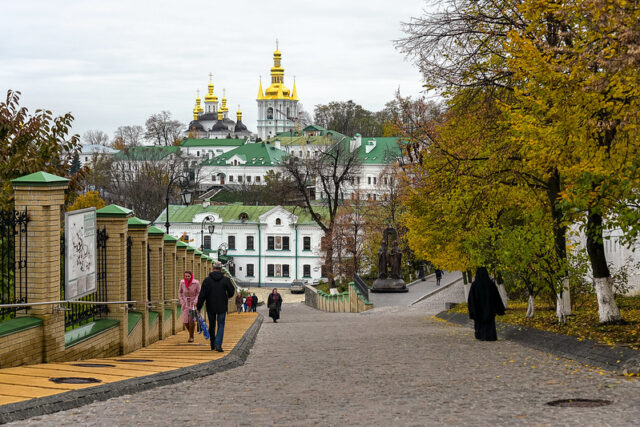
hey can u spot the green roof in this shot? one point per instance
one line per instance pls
(190, 248)
(231, 213)
(253, 154)
(309, 140)
(153, 230)
(146, 153)
(137, 222)
(197, 252)
(114, 211)
(386, 150)
(181, 244)
(40, 179)
(226, 142)
(170, 239)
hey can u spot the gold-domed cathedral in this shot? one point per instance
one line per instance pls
(277, 106)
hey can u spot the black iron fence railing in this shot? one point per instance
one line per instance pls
(79, 314)
(148, 272)
(13, 261)
(361, 285)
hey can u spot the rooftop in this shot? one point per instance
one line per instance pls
(230, 213)
(253, 154)
(146, 153)
(205, 142)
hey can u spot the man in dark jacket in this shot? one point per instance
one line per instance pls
(216, 291)
(255, 302)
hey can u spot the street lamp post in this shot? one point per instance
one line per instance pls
(211, 227)
(186, 196)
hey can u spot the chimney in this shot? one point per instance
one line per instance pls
(277, 143)
(371, 144)
(355, 142)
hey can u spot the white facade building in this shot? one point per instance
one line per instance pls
(265, 245)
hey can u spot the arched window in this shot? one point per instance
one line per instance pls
(278, 221)
(243, 216)
(270, 113)
(288, 112)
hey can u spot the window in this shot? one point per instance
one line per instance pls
(306, 243)
(368, 196)
(248, 179)
(206, 244)
(270, 270)
(278, 221)
(231, 242)
(230, 178)
(249, 270)
(269, 113)
(375, 180)
(306, 270)
(358, 180)
(375, 197)
(384, 180)
(257, 179)
(369, 180)
(239, 178)
(232, 269)
(285, 270)
(278, 270)
(278, 243)
(213, 177)
(249, 243)
(197, 154)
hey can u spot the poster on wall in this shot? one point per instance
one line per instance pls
(80, 253)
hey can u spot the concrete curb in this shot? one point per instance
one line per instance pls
(76, 398)
(415, 282)
(586, 351)
(435, 291)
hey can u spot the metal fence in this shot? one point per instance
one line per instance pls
(79, 314)
(13, 261)
(361, 285)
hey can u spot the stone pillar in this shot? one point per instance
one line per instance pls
(170, 285)
(181, 266)
(190, 260)
(138, 232)
(42, 195)
(156, 258)
(114, 218)
(197, 265)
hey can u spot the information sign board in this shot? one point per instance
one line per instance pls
(80, 253)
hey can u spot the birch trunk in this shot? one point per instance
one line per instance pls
(608, 310)
(530, 308)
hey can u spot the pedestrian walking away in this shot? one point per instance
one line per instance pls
(255, 302)
(274, 303)
(244, 303)
(438, 276)
(239, 303)
(216, 291)
(484, 303)
(188, 297)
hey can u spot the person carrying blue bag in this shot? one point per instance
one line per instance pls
(202, 327)
(216, 291)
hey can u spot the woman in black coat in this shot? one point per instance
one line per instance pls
(484, 303)
(274, 303)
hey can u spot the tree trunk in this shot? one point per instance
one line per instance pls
(559, 239)
(530, 308)
(608, 311)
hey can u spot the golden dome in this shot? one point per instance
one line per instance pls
(210, 97)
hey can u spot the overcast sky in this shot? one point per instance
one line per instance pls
(113, 62)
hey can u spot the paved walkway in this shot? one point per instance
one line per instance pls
(388, 366)
(416, 290)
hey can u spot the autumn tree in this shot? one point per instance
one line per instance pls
(129, 136)
(31, 143)
(95, 137)
(326, 175)
(162, 129)
(89, 200)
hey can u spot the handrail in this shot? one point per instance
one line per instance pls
(362, 287)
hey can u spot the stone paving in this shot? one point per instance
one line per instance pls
(387, 366)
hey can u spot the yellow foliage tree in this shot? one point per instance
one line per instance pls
(90, 200)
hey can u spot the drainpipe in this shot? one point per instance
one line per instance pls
(296, 252)
(259, 257)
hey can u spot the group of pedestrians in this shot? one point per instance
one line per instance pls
(246, 304)
(216, 290)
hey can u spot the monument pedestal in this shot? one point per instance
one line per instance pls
(389, 285)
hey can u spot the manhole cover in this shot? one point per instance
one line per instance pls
(134, 360)
(94, 365)
(579, 403)
(74, 380)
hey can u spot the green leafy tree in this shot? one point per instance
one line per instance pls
(31, 143)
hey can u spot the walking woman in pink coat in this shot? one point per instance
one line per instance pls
(188, 296)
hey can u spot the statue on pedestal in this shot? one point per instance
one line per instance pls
(389, 264)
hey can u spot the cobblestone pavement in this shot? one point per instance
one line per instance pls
(416, 290)
(387, 366)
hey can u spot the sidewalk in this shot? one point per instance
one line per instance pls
(27, 391)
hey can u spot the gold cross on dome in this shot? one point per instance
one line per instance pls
(210, 77)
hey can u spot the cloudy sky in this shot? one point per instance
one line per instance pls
(116, 62)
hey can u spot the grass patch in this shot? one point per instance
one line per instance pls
(582, 324)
